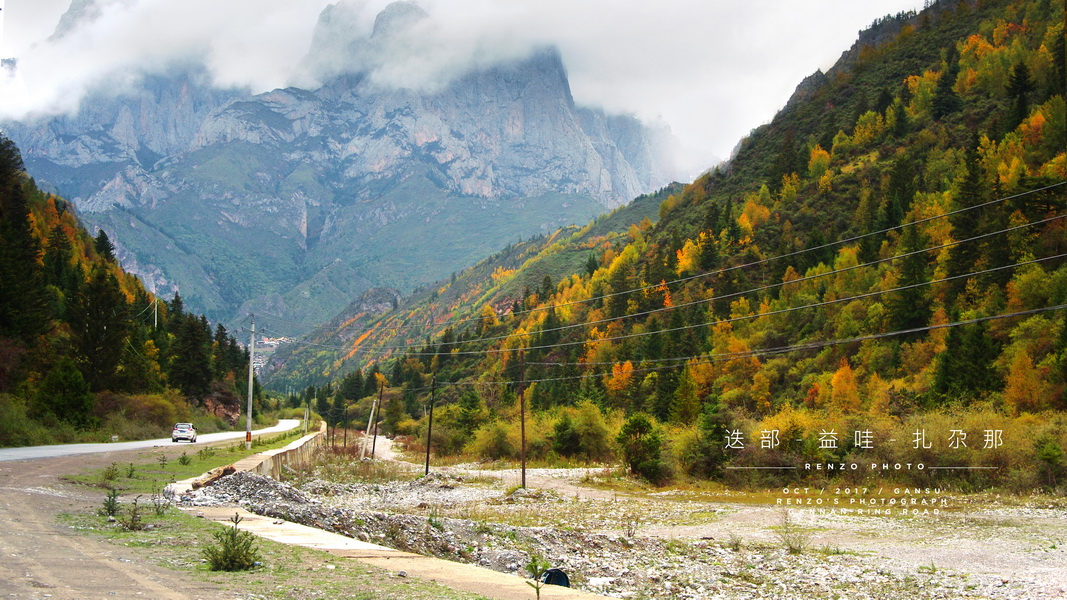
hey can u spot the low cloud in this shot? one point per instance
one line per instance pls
(711, 70)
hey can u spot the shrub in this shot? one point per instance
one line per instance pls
(795, 539)
(17, 428)
(565, 439)
(641, 443)
(594, 435)
(1050, 455)
(236, 549)
(131, 520)
(160, 504)
(111, 503)
(493, 442)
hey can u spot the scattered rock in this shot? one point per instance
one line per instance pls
(602, 562)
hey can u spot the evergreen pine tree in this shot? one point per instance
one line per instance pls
(686, 405)
(351, 387)
(901, 189)
(1058, 81)
(591, 264)
(910, 308)
(370, 382)
(641, 442)
(965, 368)
(59, 270)
(100, 323)
(966, 224)
(946, 101)
(710, 452)
(712, 219)
(996, 252)
(787, 160)
(23, 295)
(103, 246)
(550, 333)
(1020, 85)
(190, 363)
(175, 312)
(64, 393)
(547, 289)
(322, 405)
(885, 100)
(902, 124)
(709, 253)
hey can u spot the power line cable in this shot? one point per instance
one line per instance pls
(703, 301)
(150, 304)
(713, 358)
(745, 317)
(749, 291)
(732, 268)
(837, 342)
(798, 252)
(817, 305)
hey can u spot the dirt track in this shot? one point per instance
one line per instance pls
(44, 559)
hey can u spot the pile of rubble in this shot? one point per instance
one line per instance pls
(615, 565)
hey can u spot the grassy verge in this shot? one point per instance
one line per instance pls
(155, 468)
(175, 540)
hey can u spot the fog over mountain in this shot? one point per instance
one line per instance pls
(712, 70)
(292, 201)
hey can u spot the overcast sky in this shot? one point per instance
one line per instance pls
(710, 69)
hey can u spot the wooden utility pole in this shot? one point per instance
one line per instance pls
(251, 378)
(522, 413)
(374, 442)
(345, 444)
(429, 427)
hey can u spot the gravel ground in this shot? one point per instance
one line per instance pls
(668, 548)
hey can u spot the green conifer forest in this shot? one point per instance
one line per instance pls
(86, 352)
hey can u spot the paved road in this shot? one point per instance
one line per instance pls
(34, 452)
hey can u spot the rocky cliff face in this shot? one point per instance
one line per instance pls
(300, 199)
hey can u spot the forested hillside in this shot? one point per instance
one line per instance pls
(886, 256)
(85, 351)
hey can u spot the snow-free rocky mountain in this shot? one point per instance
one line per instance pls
(293, 202)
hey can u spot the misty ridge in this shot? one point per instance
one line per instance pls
(402, 151)
(109, 47)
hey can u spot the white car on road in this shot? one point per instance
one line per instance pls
(183, 431)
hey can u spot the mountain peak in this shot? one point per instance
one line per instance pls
(78, 13)
(397, 18)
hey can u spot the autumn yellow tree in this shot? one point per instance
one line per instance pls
(487, 319)
(1026, 388)
(878, 391)
(818, 162)
(761, 393)
(618, 384)
(844, 392)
